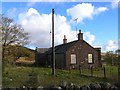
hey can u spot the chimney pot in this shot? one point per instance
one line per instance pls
(64, 40)
(80, 31)
(80, 35)
(64, 36)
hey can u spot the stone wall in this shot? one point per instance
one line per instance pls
(72, 86)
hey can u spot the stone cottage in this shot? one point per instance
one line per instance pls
(74, 54)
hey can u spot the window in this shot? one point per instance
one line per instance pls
(73, 58)
(90, 58)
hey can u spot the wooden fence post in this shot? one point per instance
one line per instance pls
(80, 69)
(70, 69)
(119, 75)
(91, 71)
(104, 72)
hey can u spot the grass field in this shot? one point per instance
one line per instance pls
(19, 76)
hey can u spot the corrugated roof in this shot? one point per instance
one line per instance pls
(42, 50)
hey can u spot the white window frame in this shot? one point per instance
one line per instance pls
(90, 58)
(73, 59)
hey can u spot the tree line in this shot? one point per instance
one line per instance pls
(112, 58)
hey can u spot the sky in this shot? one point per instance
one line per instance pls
(97, 20)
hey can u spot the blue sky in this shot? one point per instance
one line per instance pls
(97, 20)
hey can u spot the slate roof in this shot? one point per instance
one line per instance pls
(63, 47)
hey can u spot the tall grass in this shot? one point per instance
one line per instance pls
(18, 76)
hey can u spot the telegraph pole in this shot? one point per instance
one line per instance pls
(53, 48)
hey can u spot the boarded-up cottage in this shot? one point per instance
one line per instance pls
(70, 55)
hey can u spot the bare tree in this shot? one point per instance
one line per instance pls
(12, 34)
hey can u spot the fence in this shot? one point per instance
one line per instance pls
(109, 72)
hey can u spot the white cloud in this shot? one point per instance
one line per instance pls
(119, 43)
(100, 9)
(39, 26)
(110, 46)
(115, 3)
(84, 11)
(32, 11)
(89, 37)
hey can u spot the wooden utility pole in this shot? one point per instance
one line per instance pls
(104, 72)
(91, 71)
(53, 48)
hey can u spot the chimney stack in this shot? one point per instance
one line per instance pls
(64, 40)
(80, 35)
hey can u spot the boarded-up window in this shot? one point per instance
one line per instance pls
(73, 58)
(90, 58)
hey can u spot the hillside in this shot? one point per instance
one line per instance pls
(19, 54)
